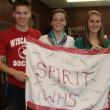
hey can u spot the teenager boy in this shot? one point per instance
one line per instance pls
(13, 48)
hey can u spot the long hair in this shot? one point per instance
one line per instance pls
(100, 33)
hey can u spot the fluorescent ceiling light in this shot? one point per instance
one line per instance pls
(82, 0)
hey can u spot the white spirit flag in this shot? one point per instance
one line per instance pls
(66, 78)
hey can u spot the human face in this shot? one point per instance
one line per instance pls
(22, 15)
(58, 21)
(94, 23)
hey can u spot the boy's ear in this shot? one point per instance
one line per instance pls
(13, 14)
(30, 15)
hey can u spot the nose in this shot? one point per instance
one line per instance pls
(58, 22)
(22, 15)
(95, 23)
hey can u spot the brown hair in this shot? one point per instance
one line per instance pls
(100, 33)
(58, 10)
(22, 3)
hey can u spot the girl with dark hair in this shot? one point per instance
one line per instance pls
(57, 35)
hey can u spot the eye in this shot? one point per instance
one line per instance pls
(98, 21)
(91, 21)
(25, 13)
(62, 20)
(55, 19)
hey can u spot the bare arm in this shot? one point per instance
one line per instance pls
(96, 47)
(19, 75)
